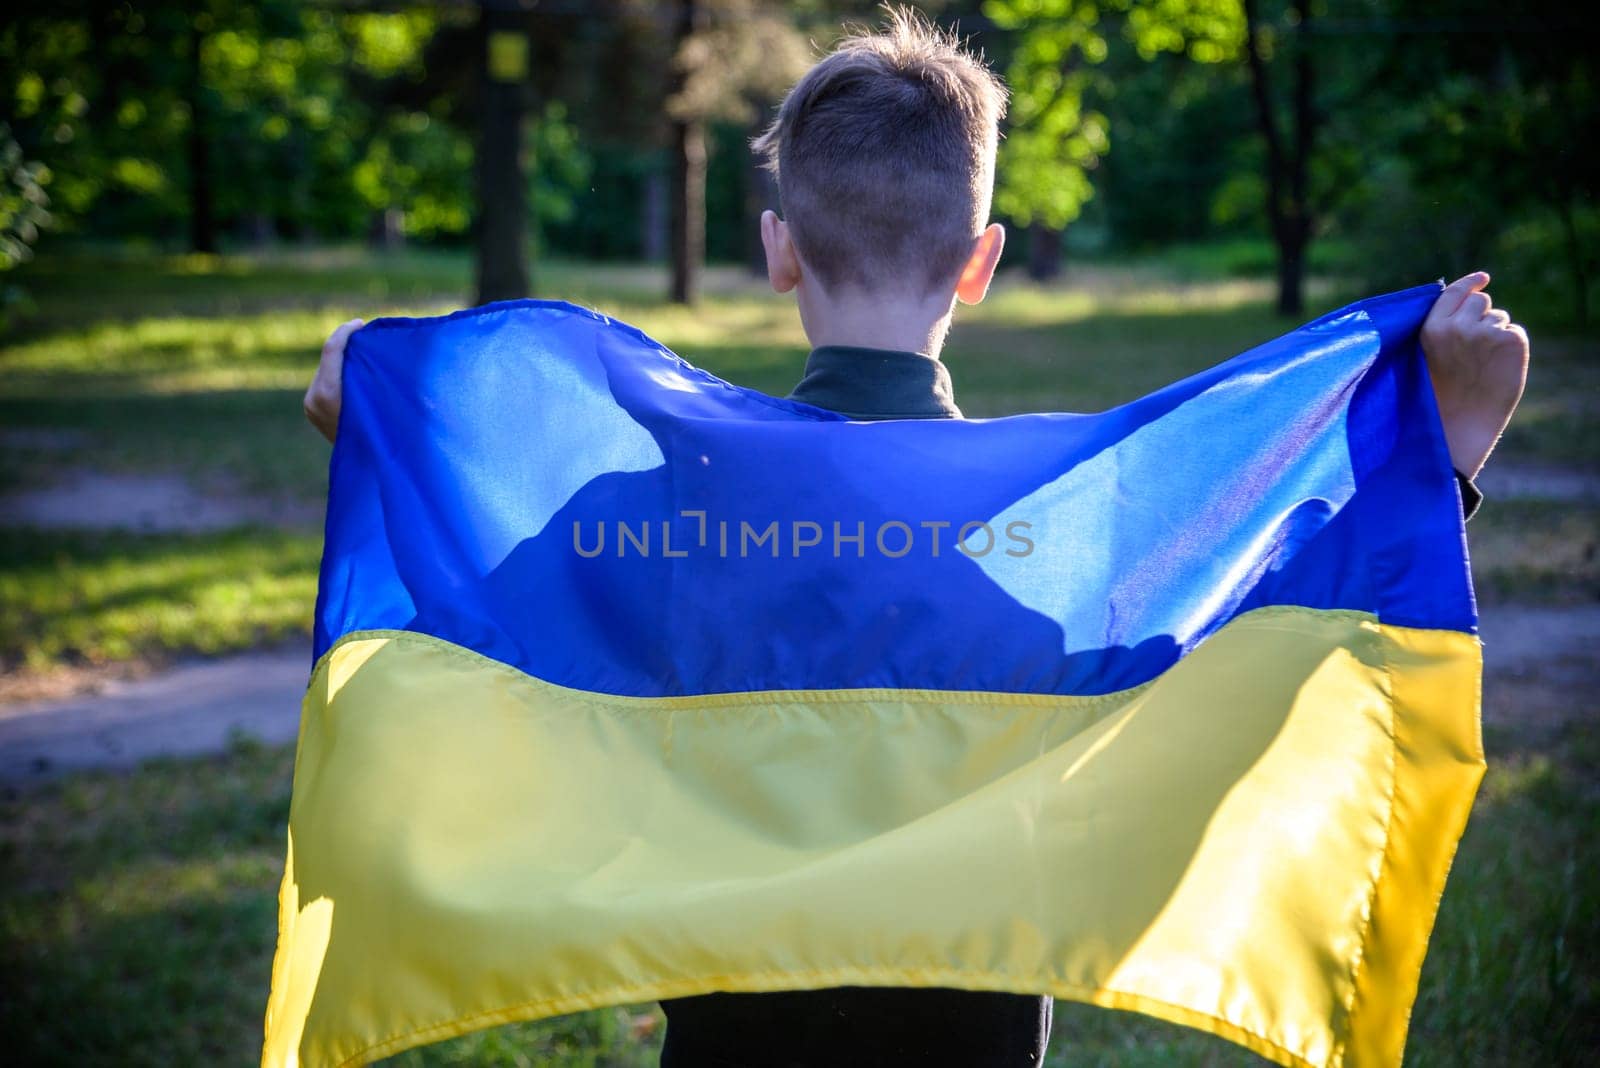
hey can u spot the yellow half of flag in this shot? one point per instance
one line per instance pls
(478, 847)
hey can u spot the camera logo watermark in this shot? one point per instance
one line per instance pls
(892, 539)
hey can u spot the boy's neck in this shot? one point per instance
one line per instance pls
(858, 319)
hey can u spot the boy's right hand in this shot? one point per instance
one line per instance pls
(326, 391)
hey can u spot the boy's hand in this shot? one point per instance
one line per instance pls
(326, 391)
(1478, 360)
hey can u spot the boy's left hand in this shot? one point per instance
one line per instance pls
(325, 395)
(1478, 360)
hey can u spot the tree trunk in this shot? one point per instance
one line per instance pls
(688, 147)
(386, 229)
(1292, 271)
(1287, 167)
(502, 222)
(202, 213)
(688, 210)
(1044, 252)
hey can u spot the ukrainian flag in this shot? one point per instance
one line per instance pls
(634, 684)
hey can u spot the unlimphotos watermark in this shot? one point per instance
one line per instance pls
(892, 538)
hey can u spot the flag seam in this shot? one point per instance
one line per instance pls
(838, 695)
(1369, 908)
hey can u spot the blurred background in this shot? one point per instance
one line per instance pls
(192, 195)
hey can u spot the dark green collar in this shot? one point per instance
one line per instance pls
(877, 384)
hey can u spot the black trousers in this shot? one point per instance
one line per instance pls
(857, 1027)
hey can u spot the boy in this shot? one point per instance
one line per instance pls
(884, 154)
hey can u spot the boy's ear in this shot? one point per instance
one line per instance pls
(783, 263)
(979, 271)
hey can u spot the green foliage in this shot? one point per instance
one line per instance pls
(1186, 166)
(1484, 158)
(421, 167)
(748, 54)
(560, 167)
(1052, 139)
(24, 212)
(1436, 151)
(288, 97)
(24, 204)
(1205, 31)
(1069, 53)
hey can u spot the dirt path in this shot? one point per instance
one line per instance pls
(80, 499)
(1540, 667)
(192, 710)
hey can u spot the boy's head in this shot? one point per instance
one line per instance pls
(884, 154)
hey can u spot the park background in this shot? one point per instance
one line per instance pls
(192, 195)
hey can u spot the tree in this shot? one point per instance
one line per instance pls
(687, 145)
(1497, 126)
(728, 57)
(202, 217)
(1288, 152)
(502, 216)
(24, 212)
(164, 118)
(1053, 138)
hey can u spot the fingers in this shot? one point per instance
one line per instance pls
(322, 400)
(334, 346)
(1474, 306)
(1456, 292)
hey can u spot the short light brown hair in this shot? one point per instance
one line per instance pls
(884, 155)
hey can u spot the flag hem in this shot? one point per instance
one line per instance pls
(546, 1008)
(844, 695)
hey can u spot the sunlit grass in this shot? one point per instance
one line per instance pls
(161, 354)
(1104, 333)
(94, 598)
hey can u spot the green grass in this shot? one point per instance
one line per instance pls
(1536, 551)
(148, 357)
(137, 917)
(94, 598)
